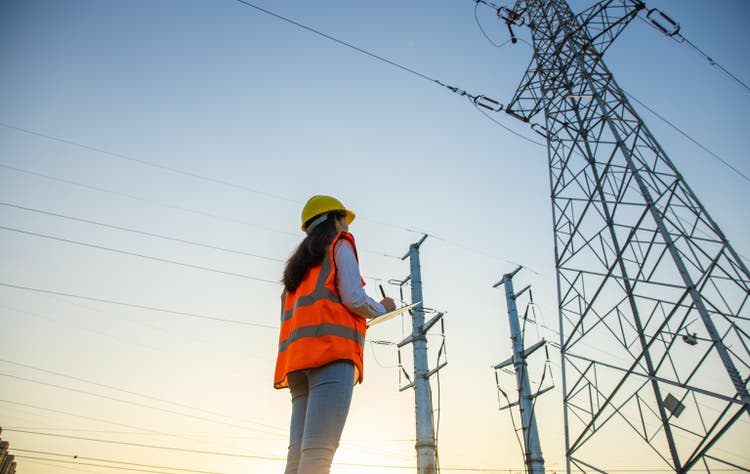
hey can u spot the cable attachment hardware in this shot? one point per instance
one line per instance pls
(478, 100)
(454, 89)
(489, 104)
(540, 130)
(510, 17)
(670, 28)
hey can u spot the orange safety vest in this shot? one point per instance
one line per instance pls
(316, 328)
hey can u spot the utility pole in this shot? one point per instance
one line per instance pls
(426, 446)
(533, 448)
(653, 299)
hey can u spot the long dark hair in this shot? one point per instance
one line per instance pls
(311, 251)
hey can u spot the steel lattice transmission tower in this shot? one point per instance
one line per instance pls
(653, 300)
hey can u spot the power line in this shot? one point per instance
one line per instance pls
(34, 458)
(181, 209)
(75, 457)
(178, 171)
(671, 29)
(129, 402)
(215, 453)
(133, 254)
(124, 340)
(476, 19)
(685, 134)
(496, 122)
(138, 198)
(149, 163)
(109, 422)
(28, 431)
(222, 218)
(478, 100)
(58, 466)
(148, 397)
(272, 458)
(140, 232)
(336, 40)
(187, 450)
(138, 306)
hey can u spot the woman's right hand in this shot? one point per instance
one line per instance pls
(389, 304)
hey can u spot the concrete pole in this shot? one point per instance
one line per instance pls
(426, 449)
(533, 455)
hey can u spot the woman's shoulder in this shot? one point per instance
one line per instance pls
(343, 237)
(343, 244)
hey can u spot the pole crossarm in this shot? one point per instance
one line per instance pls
(525, 353)
(639, 260)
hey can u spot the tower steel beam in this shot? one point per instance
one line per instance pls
(654, 303)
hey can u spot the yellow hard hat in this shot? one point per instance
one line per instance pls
(320, 204)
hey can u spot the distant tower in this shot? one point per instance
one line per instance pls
(426, 445)
(533, 459)
(654, 303)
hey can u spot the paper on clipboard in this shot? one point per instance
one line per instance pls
(391, 315)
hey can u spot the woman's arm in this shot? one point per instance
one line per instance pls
(349, 283)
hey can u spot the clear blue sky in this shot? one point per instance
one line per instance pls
(121, 102)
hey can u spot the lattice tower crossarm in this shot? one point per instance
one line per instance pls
(640, 263)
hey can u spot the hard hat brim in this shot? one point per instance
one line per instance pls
(349, 216)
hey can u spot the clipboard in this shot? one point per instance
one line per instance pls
(391, 315)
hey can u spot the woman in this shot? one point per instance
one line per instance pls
(323, 312)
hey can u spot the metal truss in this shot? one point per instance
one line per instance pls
(653, 300)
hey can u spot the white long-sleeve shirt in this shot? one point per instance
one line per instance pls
(349, 283)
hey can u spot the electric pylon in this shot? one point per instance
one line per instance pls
(653, 301)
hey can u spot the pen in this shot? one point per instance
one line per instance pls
(382, 291)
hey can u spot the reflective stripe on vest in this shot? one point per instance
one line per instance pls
(324, 329)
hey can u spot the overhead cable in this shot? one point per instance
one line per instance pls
(210, 215)
(510, 130)
(133, 254)
(137, 306)
(141, 395)
(131, 469)
(662, 22)
(149, 163)
(149, 446)
(685, 134)
(140, 232)
(74, 460)
(478, 99)
(336, 40)
(136, 404)
(178, 208)
(148, 201)
(476, 19)
(110, 422)
(272, 458)
(176, 170)
(237, 455)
